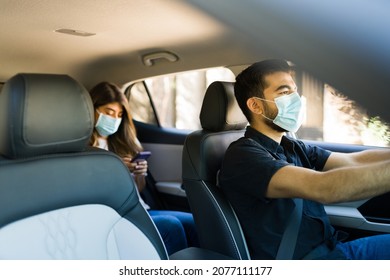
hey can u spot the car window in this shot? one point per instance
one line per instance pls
(173, 101)
(331, 116)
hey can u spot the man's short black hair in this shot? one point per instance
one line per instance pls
(251, 81)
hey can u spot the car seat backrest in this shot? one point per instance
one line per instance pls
(59, 198)
(223, 122)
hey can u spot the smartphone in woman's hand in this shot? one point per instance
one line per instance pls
(144, 155)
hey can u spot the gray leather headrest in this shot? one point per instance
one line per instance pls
(44, 114)
(220, 110)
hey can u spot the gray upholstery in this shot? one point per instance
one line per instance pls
(60, 199)
(220, 111)
(222, 122)
(41, 114)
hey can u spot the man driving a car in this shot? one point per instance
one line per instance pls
(264, 171)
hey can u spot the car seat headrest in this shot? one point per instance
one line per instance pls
(44, 114)
(220, 110)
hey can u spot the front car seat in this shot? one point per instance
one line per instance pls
(222, 123)
(60, 199)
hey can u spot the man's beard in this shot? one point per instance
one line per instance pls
(271, 115)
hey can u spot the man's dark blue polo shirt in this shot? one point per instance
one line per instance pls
(248, 167)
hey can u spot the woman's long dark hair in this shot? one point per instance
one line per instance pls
(124, 142)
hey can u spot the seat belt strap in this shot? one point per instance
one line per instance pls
(289, 239)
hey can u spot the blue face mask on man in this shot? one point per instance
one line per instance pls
(107, 125)
(290, 113)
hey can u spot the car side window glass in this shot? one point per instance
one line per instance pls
(173, 101)
(331, 116)
(140, 103)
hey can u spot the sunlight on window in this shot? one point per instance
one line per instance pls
(347, 122)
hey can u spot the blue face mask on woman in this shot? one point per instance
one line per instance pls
(107, 125)
(290, 114)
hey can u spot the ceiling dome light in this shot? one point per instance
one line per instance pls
(74, 32)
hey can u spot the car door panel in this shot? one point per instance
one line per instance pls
(166, 146)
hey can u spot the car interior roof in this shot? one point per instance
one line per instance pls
(326, 38)
(124, 31)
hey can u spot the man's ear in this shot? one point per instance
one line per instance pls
(254, 106)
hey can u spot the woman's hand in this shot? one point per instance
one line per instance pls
(140, 168)
(136, 168)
